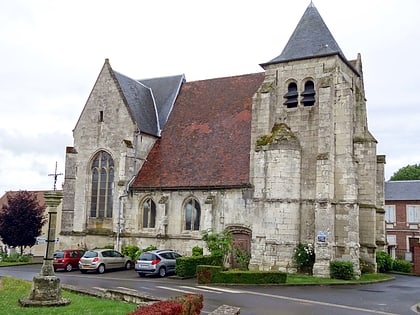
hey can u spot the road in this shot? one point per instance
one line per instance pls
(388, 298)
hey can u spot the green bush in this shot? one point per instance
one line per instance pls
(341, 270)
(384, 261)
(131, 251)
(401, 265)
(214, 274)
(16, 257)
(304, 257)
(187, 266)
(197, 251)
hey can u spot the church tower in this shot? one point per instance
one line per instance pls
(313, 158)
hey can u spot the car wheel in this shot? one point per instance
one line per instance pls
(162, 271)
(142, 275)
(83, 271)
(128, 265)
(101, 269)
(69, 267)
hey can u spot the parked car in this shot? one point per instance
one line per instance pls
(100, 260)
(156, 262)
(67, 259)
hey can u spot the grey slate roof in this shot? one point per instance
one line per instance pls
(311, 38)
(150, 100)
(402, 190)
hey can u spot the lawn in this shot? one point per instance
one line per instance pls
(365, 278)
(12, 289)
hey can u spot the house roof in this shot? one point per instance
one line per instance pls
(151, 100)
(402, 190)
(311, 38)
(206, 141)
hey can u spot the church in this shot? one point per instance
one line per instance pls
(278, 158)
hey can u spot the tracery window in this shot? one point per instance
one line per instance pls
(149, 213)
(192, 212)
(102, 188)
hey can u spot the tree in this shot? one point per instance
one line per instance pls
(219, 244)
(21, 219)
(409, 172)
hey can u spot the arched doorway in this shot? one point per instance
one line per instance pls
(241, 243)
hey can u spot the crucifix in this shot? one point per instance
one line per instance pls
(55, 176)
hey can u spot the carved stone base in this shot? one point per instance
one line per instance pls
(46, 291)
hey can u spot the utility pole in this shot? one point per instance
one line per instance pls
(55, 176)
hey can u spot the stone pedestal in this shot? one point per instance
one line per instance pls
(46, 290)
(321, 266)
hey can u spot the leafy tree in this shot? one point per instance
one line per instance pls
(219, 244)
(21, 219)
(409, 172)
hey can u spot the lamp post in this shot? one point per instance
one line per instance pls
(46, 290)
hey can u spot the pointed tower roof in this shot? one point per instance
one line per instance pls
(310, 39)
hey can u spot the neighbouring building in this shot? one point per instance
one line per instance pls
(40, 246)
(279, 158)
(402, 217)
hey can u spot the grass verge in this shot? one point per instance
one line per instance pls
(12, 289)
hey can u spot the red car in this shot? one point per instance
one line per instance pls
(67, 259)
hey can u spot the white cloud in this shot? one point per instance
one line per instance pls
(52, 52)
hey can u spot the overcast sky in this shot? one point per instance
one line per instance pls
(51, 53)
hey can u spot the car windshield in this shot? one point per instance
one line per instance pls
(90, 254)
(58, 255)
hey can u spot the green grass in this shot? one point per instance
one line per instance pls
(12, 289)
(306, 279)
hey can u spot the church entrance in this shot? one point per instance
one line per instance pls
(241, 246)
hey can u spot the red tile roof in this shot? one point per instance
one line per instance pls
(206, 141)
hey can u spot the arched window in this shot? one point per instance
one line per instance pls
(149, 213)
(308, 95)
(192, 215)
(291, 96)
(101, 201)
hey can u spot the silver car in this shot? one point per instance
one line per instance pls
(156, 262)
(100, 260)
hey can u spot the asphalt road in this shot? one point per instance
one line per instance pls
(388, 298)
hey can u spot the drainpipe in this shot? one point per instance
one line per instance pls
(120, 205)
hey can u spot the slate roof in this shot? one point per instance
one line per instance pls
(402, 190)
(311, 38)
(150, 101)
(206, 141)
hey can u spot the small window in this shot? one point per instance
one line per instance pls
(390, 213)
(308, 95)
(101, 116)
(413, 214)
(291, 96)
(149, 213)
(192, 215)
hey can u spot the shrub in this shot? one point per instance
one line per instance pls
(187, 266)
(197, 251)
(384, 261)
(341, 270)
(401, 265)
(304, 257)
(242, 257)
(131, 251)
(219, 244)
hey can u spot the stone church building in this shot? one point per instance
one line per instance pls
(279, 158)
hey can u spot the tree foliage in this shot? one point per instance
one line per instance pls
(21, 219)
(219, 244)
(409, 172)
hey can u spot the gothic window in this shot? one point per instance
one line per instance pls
(192, 215)
(308, 95)
(291, 96)
(102, 171)
(149, 213)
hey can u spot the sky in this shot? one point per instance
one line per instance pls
(51, 53)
